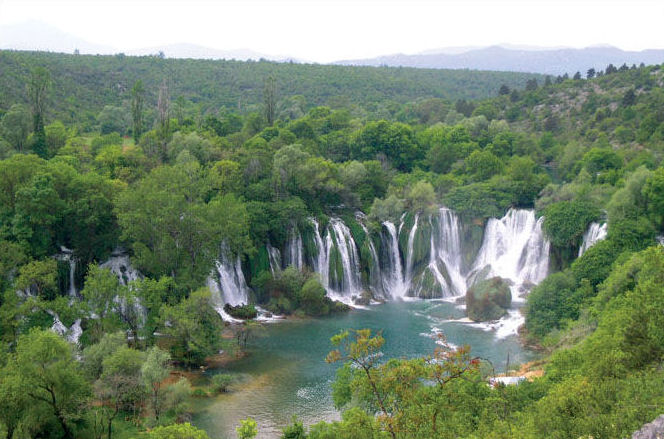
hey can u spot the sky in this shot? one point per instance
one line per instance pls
(324, 31)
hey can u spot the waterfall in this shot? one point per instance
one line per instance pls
(274, 256)
(409, 256)
(321, 263)
(448, 251)
(596, 232)
(394, 283)
(227, 282)
(294, 250)
(120, 265)
(67, 255)
(350, 262)
(337, 262)
(375, 273)
(514, 248)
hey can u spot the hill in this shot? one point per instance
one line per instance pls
(86, 83)
(545, 61)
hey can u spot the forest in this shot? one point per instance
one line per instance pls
(126, 181)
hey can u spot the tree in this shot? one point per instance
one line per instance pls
(163, 116)
(51, 378)
(15, 126)
(504, 90)
(483, 165)
(174, 231)
(137, 99)
(577, 76)
(56, 137)
(155, 370)
(13, 400)
(119, 387)
(111, 119)
(101, 293)
(653, 192)
(270, 99)
(422, 197)
(194, 326)
(590, 74)
(248, 429)
(39, 277)
(531, 84)
(177, 431)
(38, 86)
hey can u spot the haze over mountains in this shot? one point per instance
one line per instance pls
(34, 35)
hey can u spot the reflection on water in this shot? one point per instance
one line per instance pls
(286, 373)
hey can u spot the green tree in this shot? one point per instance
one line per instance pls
(100, 293)
(248, 429)
(154, 371)
(15, 126)
(269, 100)
(653, 193)
(51, 378)
(56, 137)
(483, 165)
(137, 99)
(40, 278)
(38, 87)
(119, 386)
(177, 431)
(194, 326)
(13, 400)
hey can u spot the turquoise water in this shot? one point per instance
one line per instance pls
(286, 373)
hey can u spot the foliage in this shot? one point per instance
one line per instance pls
(488, 300)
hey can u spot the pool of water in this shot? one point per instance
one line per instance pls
(286, 373)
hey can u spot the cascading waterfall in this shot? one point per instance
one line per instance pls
(447, 250)
(394, 282)
(294, 250)
(350, 283)
(227, 282)
(375, 272)
(514, 248)
(337, 261)
(596, 232)
(274, 256)
(411, 241)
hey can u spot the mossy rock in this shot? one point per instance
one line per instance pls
(244, 312)
(488, 299)
(425, 286)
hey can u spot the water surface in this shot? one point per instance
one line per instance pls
(286, 373)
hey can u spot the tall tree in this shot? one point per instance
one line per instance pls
(39, 84)
(137, 99)
(163, 112)
(270, 99)
(153, 372)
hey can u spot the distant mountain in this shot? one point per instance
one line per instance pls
(35, 35)
(554, 61)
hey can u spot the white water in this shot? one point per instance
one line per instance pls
(447, 250)
(294, 250)
(514, 248)
(409, 256)
(339, 238)
(274, 256)
(596, 232)
(67, 255)
(394, 283)
(227, 285)
(120, 265)
(376, 274)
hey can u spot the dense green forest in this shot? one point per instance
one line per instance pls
(152, 158)
(84, 84)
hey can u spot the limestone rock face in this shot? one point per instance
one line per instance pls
(488, 299)
(652, 430)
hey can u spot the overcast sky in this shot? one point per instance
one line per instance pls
(320, 30)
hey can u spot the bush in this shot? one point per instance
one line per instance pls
(565, 222)
(221, 382)
(244, 312)
(550, 303)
